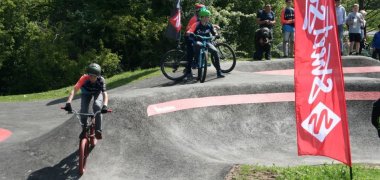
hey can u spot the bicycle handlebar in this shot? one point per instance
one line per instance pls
(88, 114)
(205, 38)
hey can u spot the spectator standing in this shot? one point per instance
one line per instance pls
(266, 19)
(340, 20)
(354, 21)
(376, 45)
(287, 21)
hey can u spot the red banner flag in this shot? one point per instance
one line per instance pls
(322, 127)
(174, 26)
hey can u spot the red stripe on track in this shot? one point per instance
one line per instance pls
(4, 134)
(182, 104)
(346, 70)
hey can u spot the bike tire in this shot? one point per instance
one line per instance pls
(227, 57)
(83, 153)
(93, 140)
(173, 64)
(202, 70)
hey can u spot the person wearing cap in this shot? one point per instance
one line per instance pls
(376, 44)
(287, 21)
(92, 86)
(189, 42)
(206, 29)
(340, 21)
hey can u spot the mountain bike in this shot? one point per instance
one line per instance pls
(174, 62)
(88, 141)
(203, 57)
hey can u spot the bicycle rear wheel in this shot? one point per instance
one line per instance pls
(202, 69)
(173, 64)
(227, 57)
(83, 153)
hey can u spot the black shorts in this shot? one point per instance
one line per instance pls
(355, 37)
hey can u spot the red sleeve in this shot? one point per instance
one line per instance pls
(192, 28)
(283, 21)
(191, 22)
(81, 81)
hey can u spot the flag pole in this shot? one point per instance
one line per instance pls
(351, 175)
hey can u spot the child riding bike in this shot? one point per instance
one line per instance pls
(92, 85)
(204, 28)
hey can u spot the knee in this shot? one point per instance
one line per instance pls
(96, 106)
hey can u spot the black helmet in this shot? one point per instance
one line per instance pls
(94, 69)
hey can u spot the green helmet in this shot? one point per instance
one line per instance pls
(204, 13)
(94, 69)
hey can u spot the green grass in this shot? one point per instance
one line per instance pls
(326, 171)
(113, 82)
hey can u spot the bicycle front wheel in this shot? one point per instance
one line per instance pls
(83, 153)
(173, 64)
(202, 69)
(227, 57)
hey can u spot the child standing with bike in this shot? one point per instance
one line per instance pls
(204, 28)
(92, 85)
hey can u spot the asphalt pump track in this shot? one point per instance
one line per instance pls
(151, 135)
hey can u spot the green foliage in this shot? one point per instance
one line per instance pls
(47, 44)
(326, 171)
(113, 82)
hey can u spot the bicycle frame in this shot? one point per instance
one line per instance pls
(203, 50)
(90, 116)
(88, 141)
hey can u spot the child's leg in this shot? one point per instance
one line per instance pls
(98, 102)
(84, 105)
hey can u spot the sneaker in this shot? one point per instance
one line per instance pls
(98, 134)
(219, 75)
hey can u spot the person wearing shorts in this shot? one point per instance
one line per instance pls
(354, 21)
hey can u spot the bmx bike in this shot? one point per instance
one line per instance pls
(173, 63)
(88, 140)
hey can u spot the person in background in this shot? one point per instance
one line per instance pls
(363, 31)
(189, 42)
(346, 45)
(287, 21)
(376, 44)
(265, 19)
(354, 21)
(375, 118)
(340, 20)
(263, 41)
